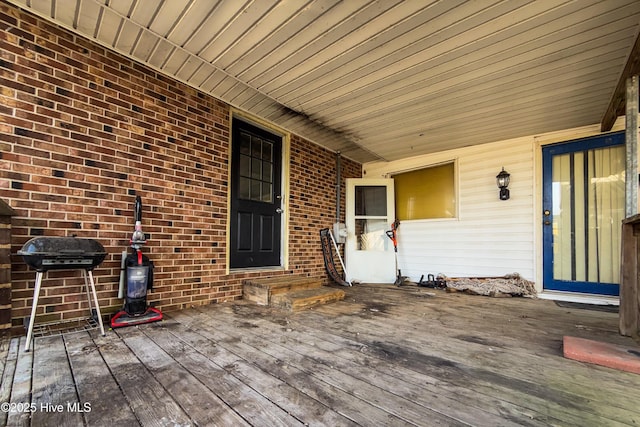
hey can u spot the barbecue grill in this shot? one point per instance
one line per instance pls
(63, 253)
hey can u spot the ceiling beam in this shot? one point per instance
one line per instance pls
(616, 106)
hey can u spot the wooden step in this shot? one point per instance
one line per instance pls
(306, 298)
(261, 291)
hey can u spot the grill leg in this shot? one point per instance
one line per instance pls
(88, 292)
(32, 319)
(95, 298)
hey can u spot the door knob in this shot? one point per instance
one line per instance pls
(279, 210)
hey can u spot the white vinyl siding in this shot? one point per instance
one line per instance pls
(490, 237)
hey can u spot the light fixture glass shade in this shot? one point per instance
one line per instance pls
(503, 178)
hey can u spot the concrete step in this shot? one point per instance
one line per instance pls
(306, 298)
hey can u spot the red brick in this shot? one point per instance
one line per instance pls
(94, 130)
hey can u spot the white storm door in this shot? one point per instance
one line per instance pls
(369, 253)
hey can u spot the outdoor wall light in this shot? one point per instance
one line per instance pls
(502, 179)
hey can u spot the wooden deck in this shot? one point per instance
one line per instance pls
(384, 356)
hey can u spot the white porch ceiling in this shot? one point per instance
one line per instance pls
(379, 80)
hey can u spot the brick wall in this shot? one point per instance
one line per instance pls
(312, 202)
(83, 130)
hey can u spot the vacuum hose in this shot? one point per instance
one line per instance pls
(122, 275)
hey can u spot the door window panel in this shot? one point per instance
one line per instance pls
(256, 169)
(588, 207)
(371, 218)
(371, 201)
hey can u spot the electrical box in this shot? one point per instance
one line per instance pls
(340, 232)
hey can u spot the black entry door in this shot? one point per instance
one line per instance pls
(256, 162)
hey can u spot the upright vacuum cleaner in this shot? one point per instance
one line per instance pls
(136, 275)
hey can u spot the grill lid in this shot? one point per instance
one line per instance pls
(57, 253)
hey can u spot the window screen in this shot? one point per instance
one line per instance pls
(426, 193)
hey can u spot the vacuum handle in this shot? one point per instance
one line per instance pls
(138, 209)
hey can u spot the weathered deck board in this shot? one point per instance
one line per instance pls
(21, 389)
(204, 392)
(466, 370)
(383, 356)
(459, 402)
(9, 358)
(532, 379)
(398, 403)
(440, 372)
(483, 346)
(52, 386)
(97, 388)
(359, 411)
(329, 353)
(293, 401)
(151, 403)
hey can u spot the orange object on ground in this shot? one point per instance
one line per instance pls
(609, 355)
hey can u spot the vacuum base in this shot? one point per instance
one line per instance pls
(122, 318)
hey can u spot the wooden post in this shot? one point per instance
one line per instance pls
(629, 297)
(631, 143)
(629, 260)
(6, 212)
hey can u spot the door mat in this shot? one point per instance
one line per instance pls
(604, 354)
(583, 306)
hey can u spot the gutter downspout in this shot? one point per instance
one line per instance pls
(338, 179)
